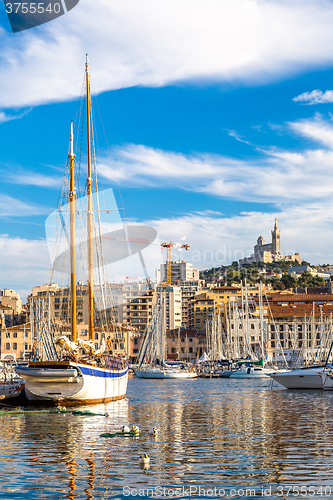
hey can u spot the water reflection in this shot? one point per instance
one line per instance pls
(223, 433)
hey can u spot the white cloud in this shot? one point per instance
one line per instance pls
(273, 176)
(23, 264)
(34, 179)
(315, 97)
(12, 207)
(216, 241)
(5, 117)
(157, 43)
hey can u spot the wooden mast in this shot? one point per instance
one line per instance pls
(72, 196)
(89, 215)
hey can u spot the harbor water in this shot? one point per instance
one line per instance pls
(217, 438)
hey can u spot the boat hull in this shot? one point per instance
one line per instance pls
(251, 373)
(308, 378)
(83, 384)
(165, 374)
(11, 389)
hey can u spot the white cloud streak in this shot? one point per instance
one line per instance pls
(157, 43)
(5, 117)
(315, 97)
(12, 207)
(33, 179)
(274, 176)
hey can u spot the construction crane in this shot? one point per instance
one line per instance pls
(168, 245)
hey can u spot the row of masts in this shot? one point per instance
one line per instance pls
(72, 198)
(234, 339)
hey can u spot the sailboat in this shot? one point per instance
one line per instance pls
(76, 378)
(151, 361)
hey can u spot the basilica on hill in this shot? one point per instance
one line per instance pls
(270, 252)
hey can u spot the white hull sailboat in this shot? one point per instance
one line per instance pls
(154, 347)
(73, 382)
(164, 373)
(99, 378)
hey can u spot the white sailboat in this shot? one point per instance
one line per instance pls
(153, 348)
(77, 380)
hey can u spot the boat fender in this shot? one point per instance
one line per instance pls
(106, 414)
(153, 432)
(125, 429)
(135, 430)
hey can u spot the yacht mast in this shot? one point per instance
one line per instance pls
(72, 196)
(89, 214)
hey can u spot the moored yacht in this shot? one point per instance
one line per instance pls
(301, 378)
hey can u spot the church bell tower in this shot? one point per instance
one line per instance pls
(276, 239)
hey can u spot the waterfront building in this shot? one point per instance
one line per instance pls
(204, 305)
(173, 305)
(139, 299)
(188, 291)
(16, 343)
(185, 344)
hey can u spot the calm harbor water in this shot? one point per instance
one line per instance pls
(232, 435)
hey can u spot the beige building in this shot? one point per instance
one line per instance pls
(138, 304)
(172, 296)
(180, 271)
(16, 342)
(11, 299)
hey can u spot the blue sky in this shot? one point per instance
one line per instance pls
(207, 134)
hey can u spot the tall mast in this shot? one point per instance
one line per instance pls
(72, 196)
(89, 215)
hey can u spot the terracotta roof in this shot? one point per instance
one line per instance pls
(303, 297)
(279, 311)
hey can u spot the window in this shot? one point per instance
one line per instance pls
(26, 334)
(252, 326)
(190, 340)
(8, 346)
(15, 335)
(25, 346)
(135, 351)
(183, 340)
(96, 337)
(190, 349)
(135, 341)
(15, 346)
(252, 338)
(173, 350)
(84, 333)
(96, 346)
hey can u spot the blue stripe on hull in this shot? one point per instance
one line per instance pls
(88, 370)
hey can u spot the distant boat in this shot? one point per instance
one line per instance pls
(85, 374)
